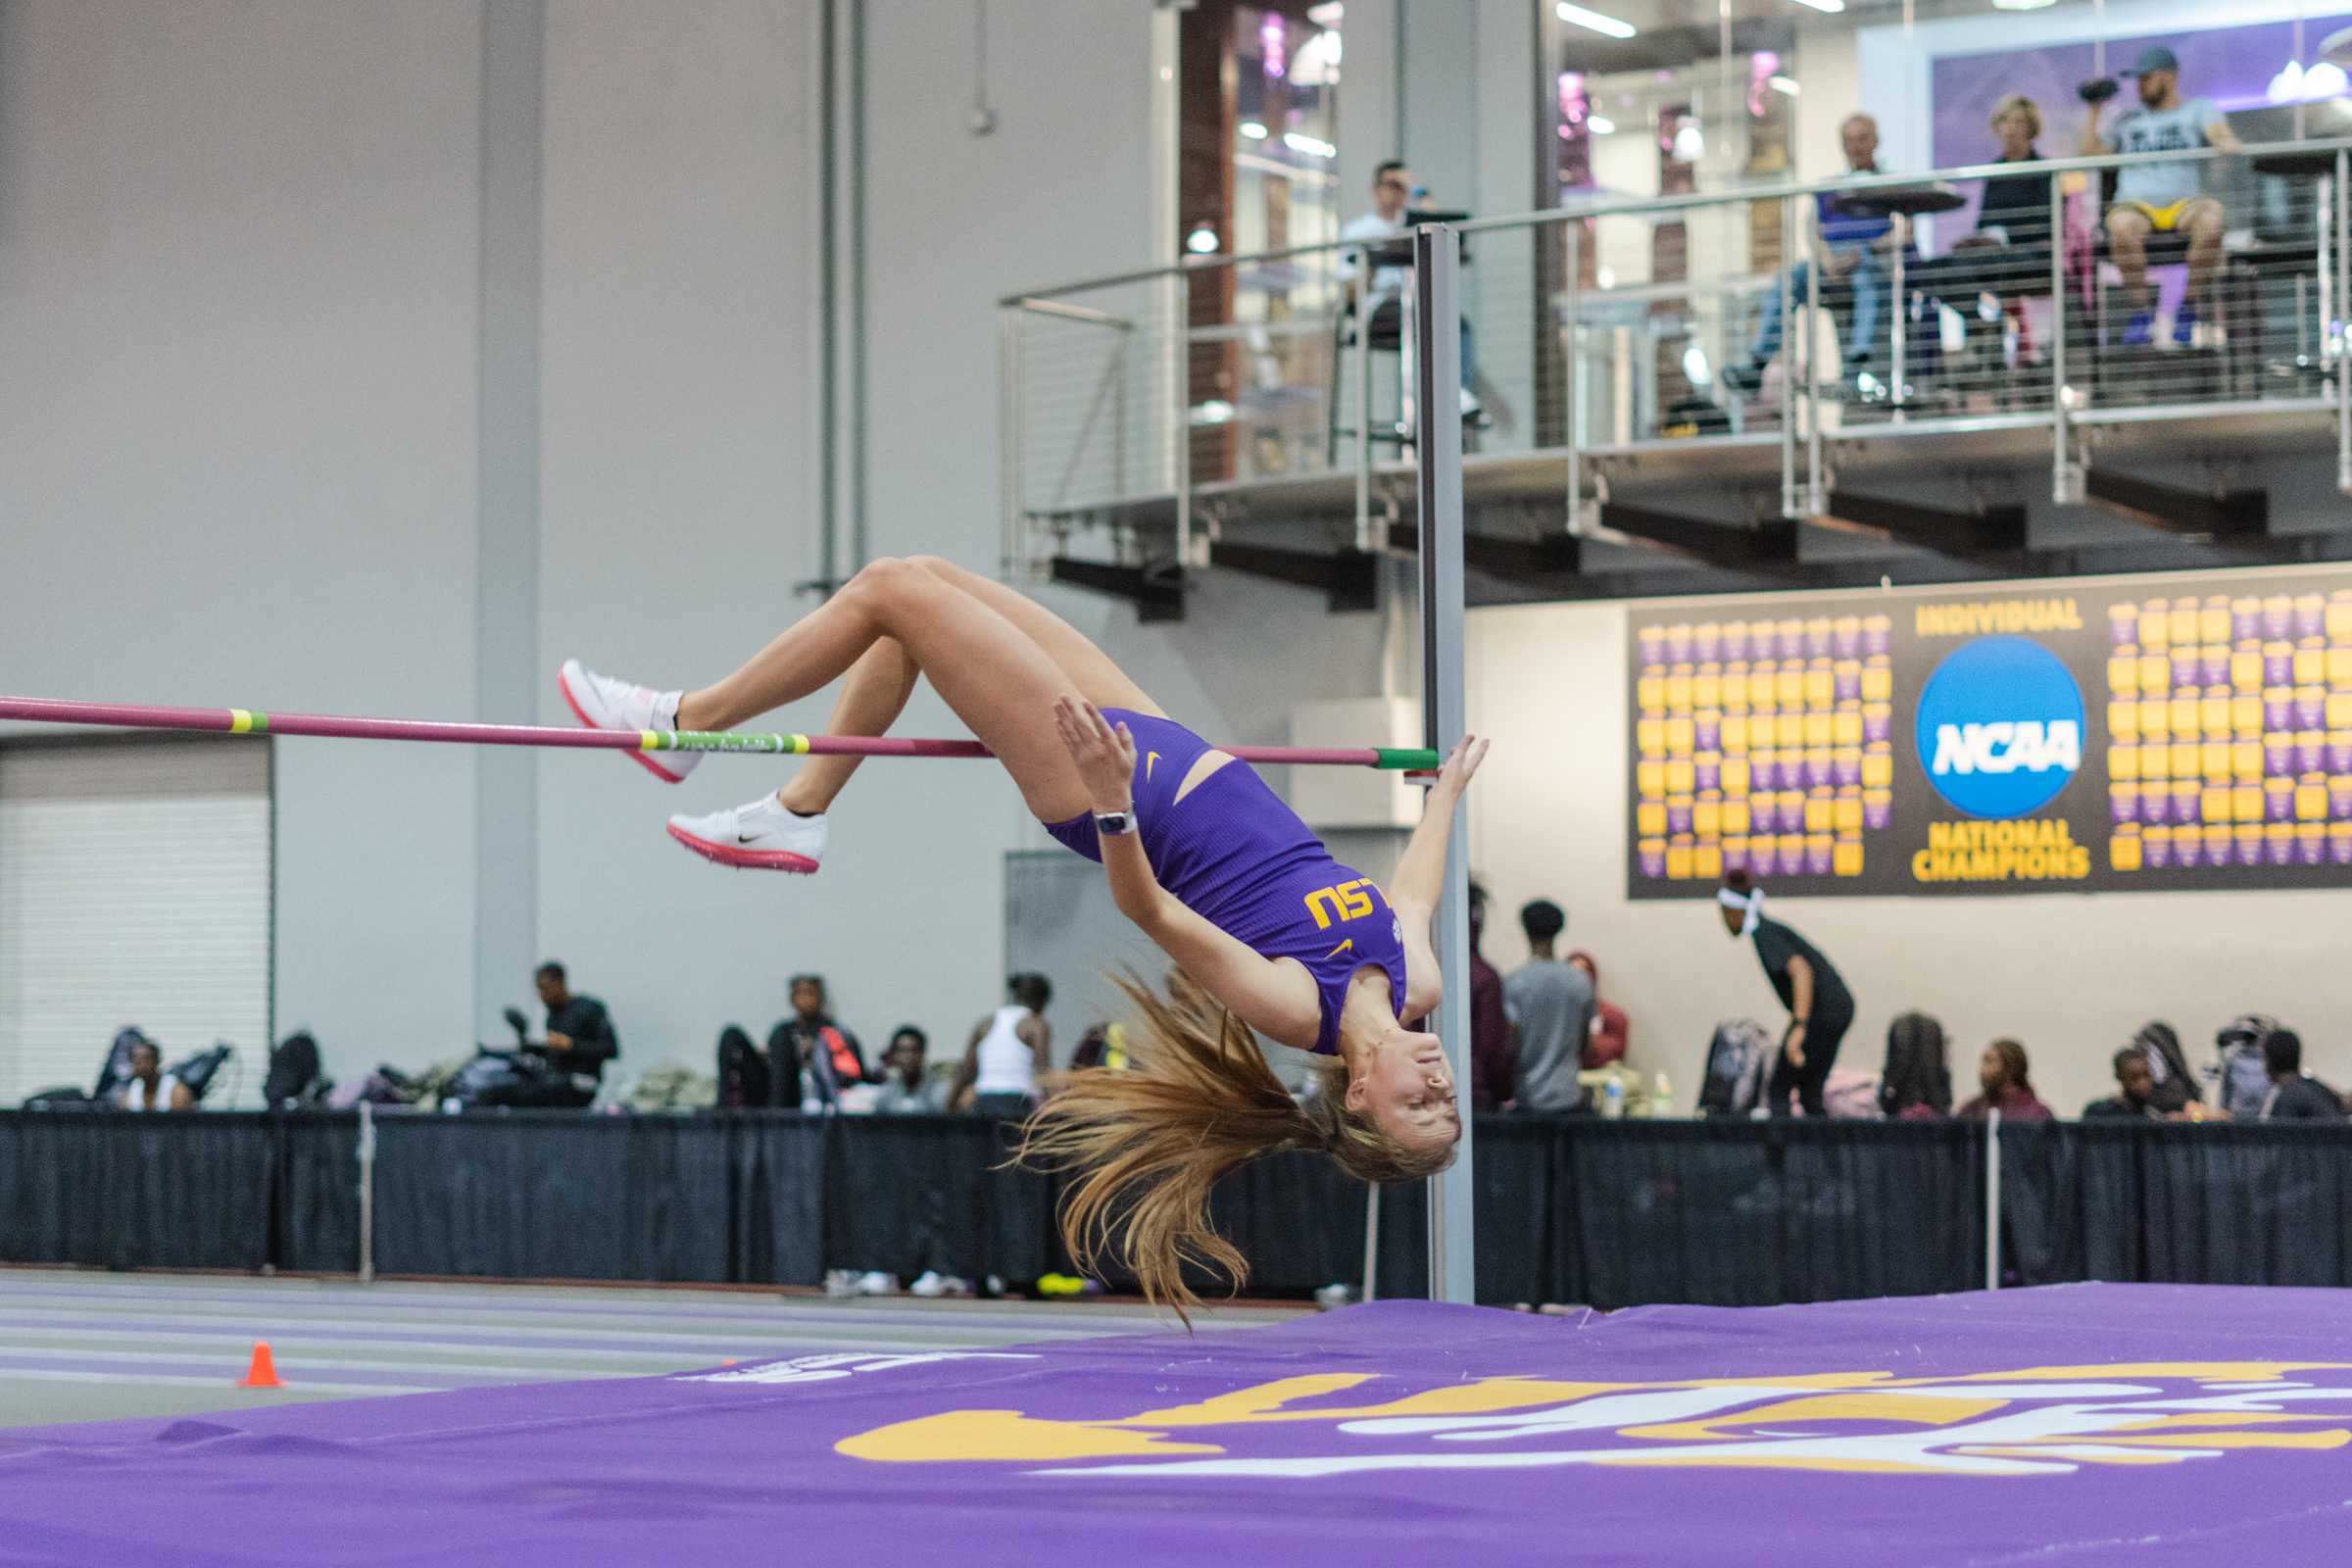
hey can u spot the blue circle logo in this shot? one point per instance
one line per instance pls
(1999, 727)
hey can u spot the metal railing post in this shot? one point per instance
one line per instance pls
(1180, 306)
(1365, 539)
(1992, 1200)
(2341, 330)
(1371, 1287)
(1816, 492)
(367, 1193)
(1437, 367)
(1901, 304)
(2064, 490)
(1790, 506)
(1008, 439)
(1570, 354)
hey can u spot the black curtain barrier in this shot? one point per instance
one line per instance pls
(1571, 1210)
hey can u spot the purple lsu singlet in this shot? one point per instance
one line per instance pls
(1235, 856)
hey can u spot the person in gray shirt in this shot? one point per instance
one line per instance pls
(2164, 197)
(1551, 1003)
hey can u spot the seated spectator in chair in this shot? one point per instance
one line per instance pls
(2009, 253)
(2001, 1074)
(1550, 1006)
(907, 1090)
(1858, 251)
(147, 1089)
(2294, 1097)
(2172, 1087)
(1389, 219)
(580, 1037)
(2134, 1097)
(1010, 1050)
(2164, 197)
(1915, 1084)
(811, 1058)
(1611, 1032)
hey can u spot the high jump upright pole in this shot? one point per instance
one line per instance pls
(1438, 444)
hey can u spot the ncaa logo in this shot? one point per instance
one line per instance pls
(1999, 728)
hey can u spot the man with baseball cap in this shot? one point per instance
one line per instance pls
(2164, 197)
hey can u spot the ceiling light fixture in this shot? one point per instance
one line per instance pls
(1595, 21)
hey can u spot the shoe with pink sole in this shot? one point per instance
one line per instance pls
(602, 703)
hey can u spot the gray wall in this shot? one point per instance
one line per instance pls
(238, 259)
(373, 357)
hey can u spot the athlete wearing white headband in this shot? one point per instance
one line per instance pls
(1820, 1007)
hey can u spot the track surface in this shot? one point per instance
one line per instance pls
(86, 1346)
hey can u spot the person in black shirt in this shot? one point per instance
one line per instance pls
(580, 1037)
(2135, 1090)
(2293, 1096)
(1820, 1007)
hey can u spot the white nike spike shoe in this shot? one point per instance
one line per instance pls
(761, 836)
(602, 703)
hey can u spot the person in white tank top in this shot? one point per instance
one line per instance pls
(1009, 1051)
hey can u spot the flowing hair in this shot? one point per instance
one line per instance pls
(1148, 1141)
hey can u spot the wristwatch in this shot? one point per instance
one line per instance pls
(1115, 822)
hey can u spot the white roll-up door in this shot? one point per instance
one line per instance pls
(135, 889)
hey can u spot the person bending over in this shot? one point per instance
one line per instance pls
(1009, 1054)
(1270, 933)
(1820, 1007)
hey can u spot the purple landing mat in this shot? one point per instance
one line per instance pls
(2181, 1424)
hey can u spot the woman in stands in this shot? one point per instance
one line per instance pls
(1268, 931)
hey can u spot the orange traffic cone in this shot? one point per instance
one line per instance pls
(261, 1373)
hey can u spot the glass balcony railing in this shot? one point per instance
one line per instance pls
(1746, 338)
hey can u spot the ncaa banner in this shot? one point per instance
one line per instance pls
(2169, 734)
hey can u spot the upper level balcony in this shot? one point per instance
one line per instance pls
(1863, 379)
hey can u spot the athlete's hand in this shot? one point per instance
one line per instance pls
(1461, 762)
(1104, 751)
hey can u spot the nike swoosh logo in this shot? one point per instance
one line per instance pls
(1341, 948)
(1149, 758)
(747, 838)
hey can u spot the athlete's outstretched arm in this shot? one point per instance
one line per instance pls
(1421, 869)
(1275, 1000)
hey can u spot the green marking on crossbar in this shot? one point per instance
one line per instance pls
(1412, 758)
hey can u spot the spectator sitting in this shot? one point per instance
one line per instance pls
(1550, 1004)
(1493, 1041)
(811, 1058)
(1392, 189)
(1105, 1045)
(906, 1091)
(1612, 1032)
(2136, 1091)
(2172, 1087)
(1010, 1052)
(580, 1037)
(147, 1089)
(2002, 1074)
(2164, 197)
(1915, 1084)
(2011, 247)
(1857, 249)
(2294, 1097)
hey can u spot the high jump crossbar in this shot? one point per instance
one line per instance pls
(256, 721)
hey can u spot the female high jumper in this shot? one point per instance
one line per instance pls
(1266, 930)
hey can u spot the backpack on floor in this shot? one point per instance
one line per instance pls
(2245, 1075)
(1739, 1061)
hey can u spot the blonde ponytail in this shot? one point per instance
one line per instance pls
(1147, 1143)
